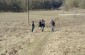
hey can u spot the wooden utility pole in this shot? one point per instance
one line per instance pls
(28, 11)
(63, 6)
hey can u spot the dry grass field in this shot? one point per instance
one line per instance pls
(16, 37)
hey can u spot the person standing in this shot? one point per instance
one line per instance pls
(52, 24)
(33, 26)
(39, 25)
(42, 25)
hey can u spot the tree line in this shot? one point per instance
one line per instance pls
(23, 5)
(68, 4)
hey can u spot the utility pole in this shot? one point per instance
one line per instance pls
(63, 6)
(28, 11)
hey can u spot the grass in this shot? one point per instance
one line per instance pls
(70, 30)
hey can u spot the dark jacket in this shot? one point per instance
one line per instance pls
(53, 23)
(43, 23)
(33, 25)
(40, 24)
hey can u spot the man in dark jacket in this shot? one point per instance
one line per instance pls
(53, 24)
(33, 26)
(42, 25)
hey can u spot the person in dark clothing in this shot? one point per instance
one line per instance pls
(53, 24)
(42, 25)
(33, 26)
(39, 25)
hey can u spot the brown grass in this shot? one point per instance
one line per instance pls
(17, 39)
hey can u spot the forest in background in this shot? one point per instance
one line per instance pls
(23, 5)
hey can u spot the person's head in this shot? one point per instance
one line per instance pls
(52, 20)
(43, 20)
(32, 21)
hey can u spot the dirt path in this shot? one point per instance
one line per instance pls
(37, 46)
